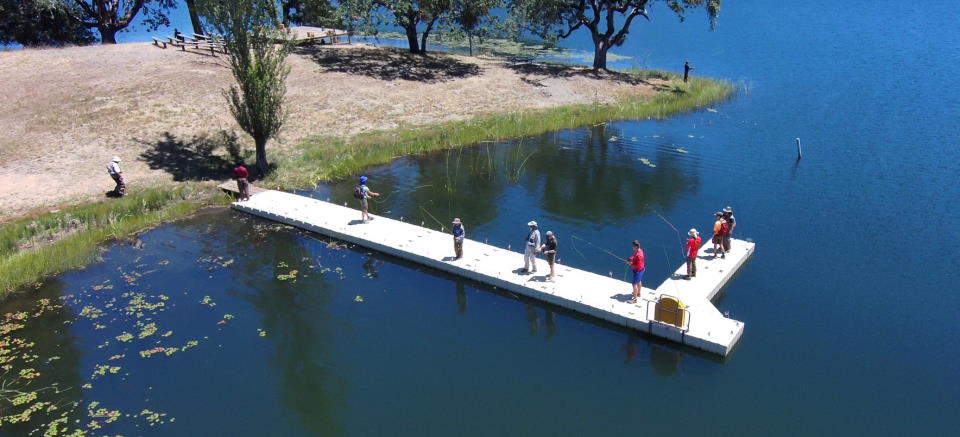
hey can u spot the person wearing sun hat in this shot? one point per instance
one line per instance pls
(530, 246)
(731, 224)
(458, 234)
(693, 246)
(113, 169)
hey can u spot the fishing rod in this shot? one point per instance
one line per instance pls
(679, 240)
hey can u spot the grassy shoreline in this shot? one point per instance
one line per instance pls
(32, 248)
(322, 159)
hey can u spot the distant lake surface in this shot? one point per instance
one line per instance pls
(849, 302)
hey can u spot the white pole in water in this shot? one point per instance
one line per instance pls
(799, 149)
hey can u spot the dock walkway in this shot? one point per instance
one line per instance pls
(585, 292)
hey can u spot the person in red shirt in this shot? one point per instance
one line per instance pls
(693, 246)
(636, 261)
(241, 174)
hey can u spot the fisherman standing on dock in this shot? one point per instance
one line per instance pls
(531, 245)
(550, 250)
(458, 234)
(363, 193)
(636, 261)
(731, 224)
(719, 229)
(693, 246)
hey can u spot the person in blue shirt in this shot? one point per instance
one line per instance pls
(458, 234)
(363, 194)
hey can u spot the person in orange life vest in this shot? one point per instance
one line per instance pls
(693, 246)
(719, 228)
(731, 225)
(636, 261)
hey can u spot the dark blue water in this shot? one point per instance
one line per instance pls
(849, 302)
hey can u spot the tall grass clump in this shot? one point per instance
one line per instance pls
(327, 158)
(32, 248)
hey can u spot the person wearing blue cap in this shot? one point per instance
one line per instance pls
(363, 193)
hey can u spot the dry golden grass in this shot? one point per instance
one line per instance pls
(68, 111)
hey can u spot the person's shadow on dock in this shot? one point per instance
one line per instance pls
(621, 297)
(356, 222)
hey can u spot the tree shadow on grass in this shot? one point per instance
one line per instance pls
(388, 63)
(193, 159)
(549, 69)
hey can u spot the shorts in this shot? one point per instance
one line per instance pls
(363, 204)
(717, 239)
(638, 276)
(551, 258)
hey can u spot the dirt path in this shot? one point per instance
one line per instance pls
(68, 111)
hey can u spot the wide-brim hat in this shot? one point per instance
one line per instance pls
(693, 232)
(115, 159)
(456, 221)
(728, 209)
(363, 179)
(532, 223)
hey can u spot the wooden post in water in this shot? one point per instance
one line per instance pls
(799, 150)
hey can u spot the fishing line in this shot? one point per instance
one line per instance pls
(390, 194)
(431, 216)
(574, 244)
(600, 248)
(679, 240)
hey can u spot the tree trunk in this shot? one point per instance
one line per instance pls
(426, 33)
(470, 37)
(600, 55)
(194, 17)
(412, 38)
(262, 165)
(108, 35)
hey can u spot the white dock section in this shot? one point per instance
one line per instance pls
(588, 293)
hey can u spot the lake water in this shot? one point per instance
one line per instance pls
(849, 301)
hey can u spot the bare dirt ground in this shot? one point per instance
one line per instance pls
(68, 111)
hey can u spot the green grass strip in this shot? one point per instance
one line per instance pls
(326, 158)
(77, 231)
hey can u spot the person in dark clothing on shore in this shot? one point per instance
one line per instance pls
(686, 70)
(113, 169)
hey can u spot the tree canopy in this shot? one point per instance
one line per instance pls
(112, 16)
(608, 21)
(34, 23)
(257, 50)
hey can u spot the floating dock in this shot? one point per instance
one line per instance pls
(696, 322)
